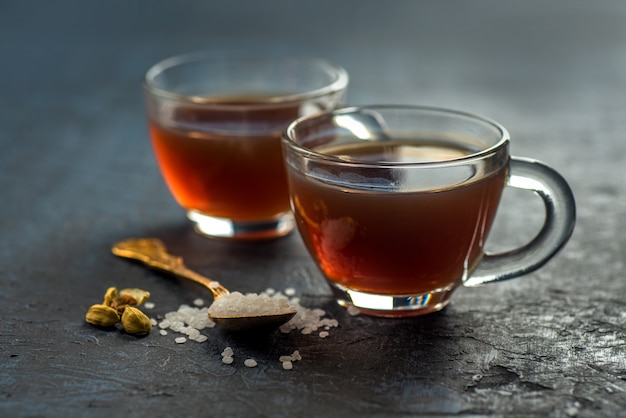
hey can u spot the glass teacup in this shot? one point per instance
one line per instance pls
(215, 124)
(395, 203)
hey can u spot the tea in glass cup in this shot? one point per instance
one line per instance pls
(395, 204)
(215, 123)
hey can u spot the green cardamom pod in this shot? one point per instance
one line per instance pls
(110, 296)
(138, 295)
(136, 322)
(102, 316)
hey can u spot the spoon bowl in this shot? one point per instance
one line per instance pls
(153, 253)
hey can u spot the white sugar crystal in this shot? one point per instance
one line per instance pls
(214, 284)
(200, 338)
(187, 320)
(154, 322)
(237, 304)
(200, 319)
(177, 325)
(287, 361)
(227, 360)
(353, 310)
(571, 411)
(148, 305)
(193, 333)
(190, 320)
(305, 320)
(250, 362)
(329, 323)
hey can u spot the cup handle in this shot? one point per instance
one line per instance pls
(558, 226)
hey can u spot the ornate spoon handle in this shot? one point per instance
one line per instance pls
(152, 252)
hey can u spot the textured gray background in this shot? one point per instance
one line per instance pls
(77, 174)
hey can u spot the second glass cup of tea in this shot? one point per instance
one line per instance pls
(395, 204)
(215, 123)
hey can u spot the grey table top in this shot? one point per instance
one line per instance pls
(77, 174)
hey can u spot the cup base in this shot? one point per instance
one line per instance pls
(392, 306)
(223, 228)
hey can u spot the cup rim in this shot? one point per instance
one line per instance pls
(309, 153)
(339, 83)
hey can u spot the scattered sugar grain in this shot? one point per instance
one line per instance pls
(200, 338)
(353, 311)
(250, 362)
(306, 320)
(190, 320)
(154, 322)
(187, 320)
(214, 284)
(572, 411)
(287, 361)
(192, 332)
(148, 305)
(176, 326)
(227, 355)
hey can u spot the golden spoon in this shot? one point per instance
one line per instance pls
(153, 253)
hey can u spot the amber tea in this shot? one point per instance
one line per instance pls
(211, 167)
(391, 237)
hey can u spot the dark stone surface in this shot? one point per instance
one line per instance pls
(77, 174)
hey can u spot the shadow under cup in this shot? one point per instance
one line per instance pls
(395, 204)
(215, 124)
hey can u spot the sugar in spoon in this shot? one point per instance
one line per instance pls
(153, 253)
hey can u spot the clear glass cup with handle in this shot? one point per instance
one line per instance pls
(395, 204)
